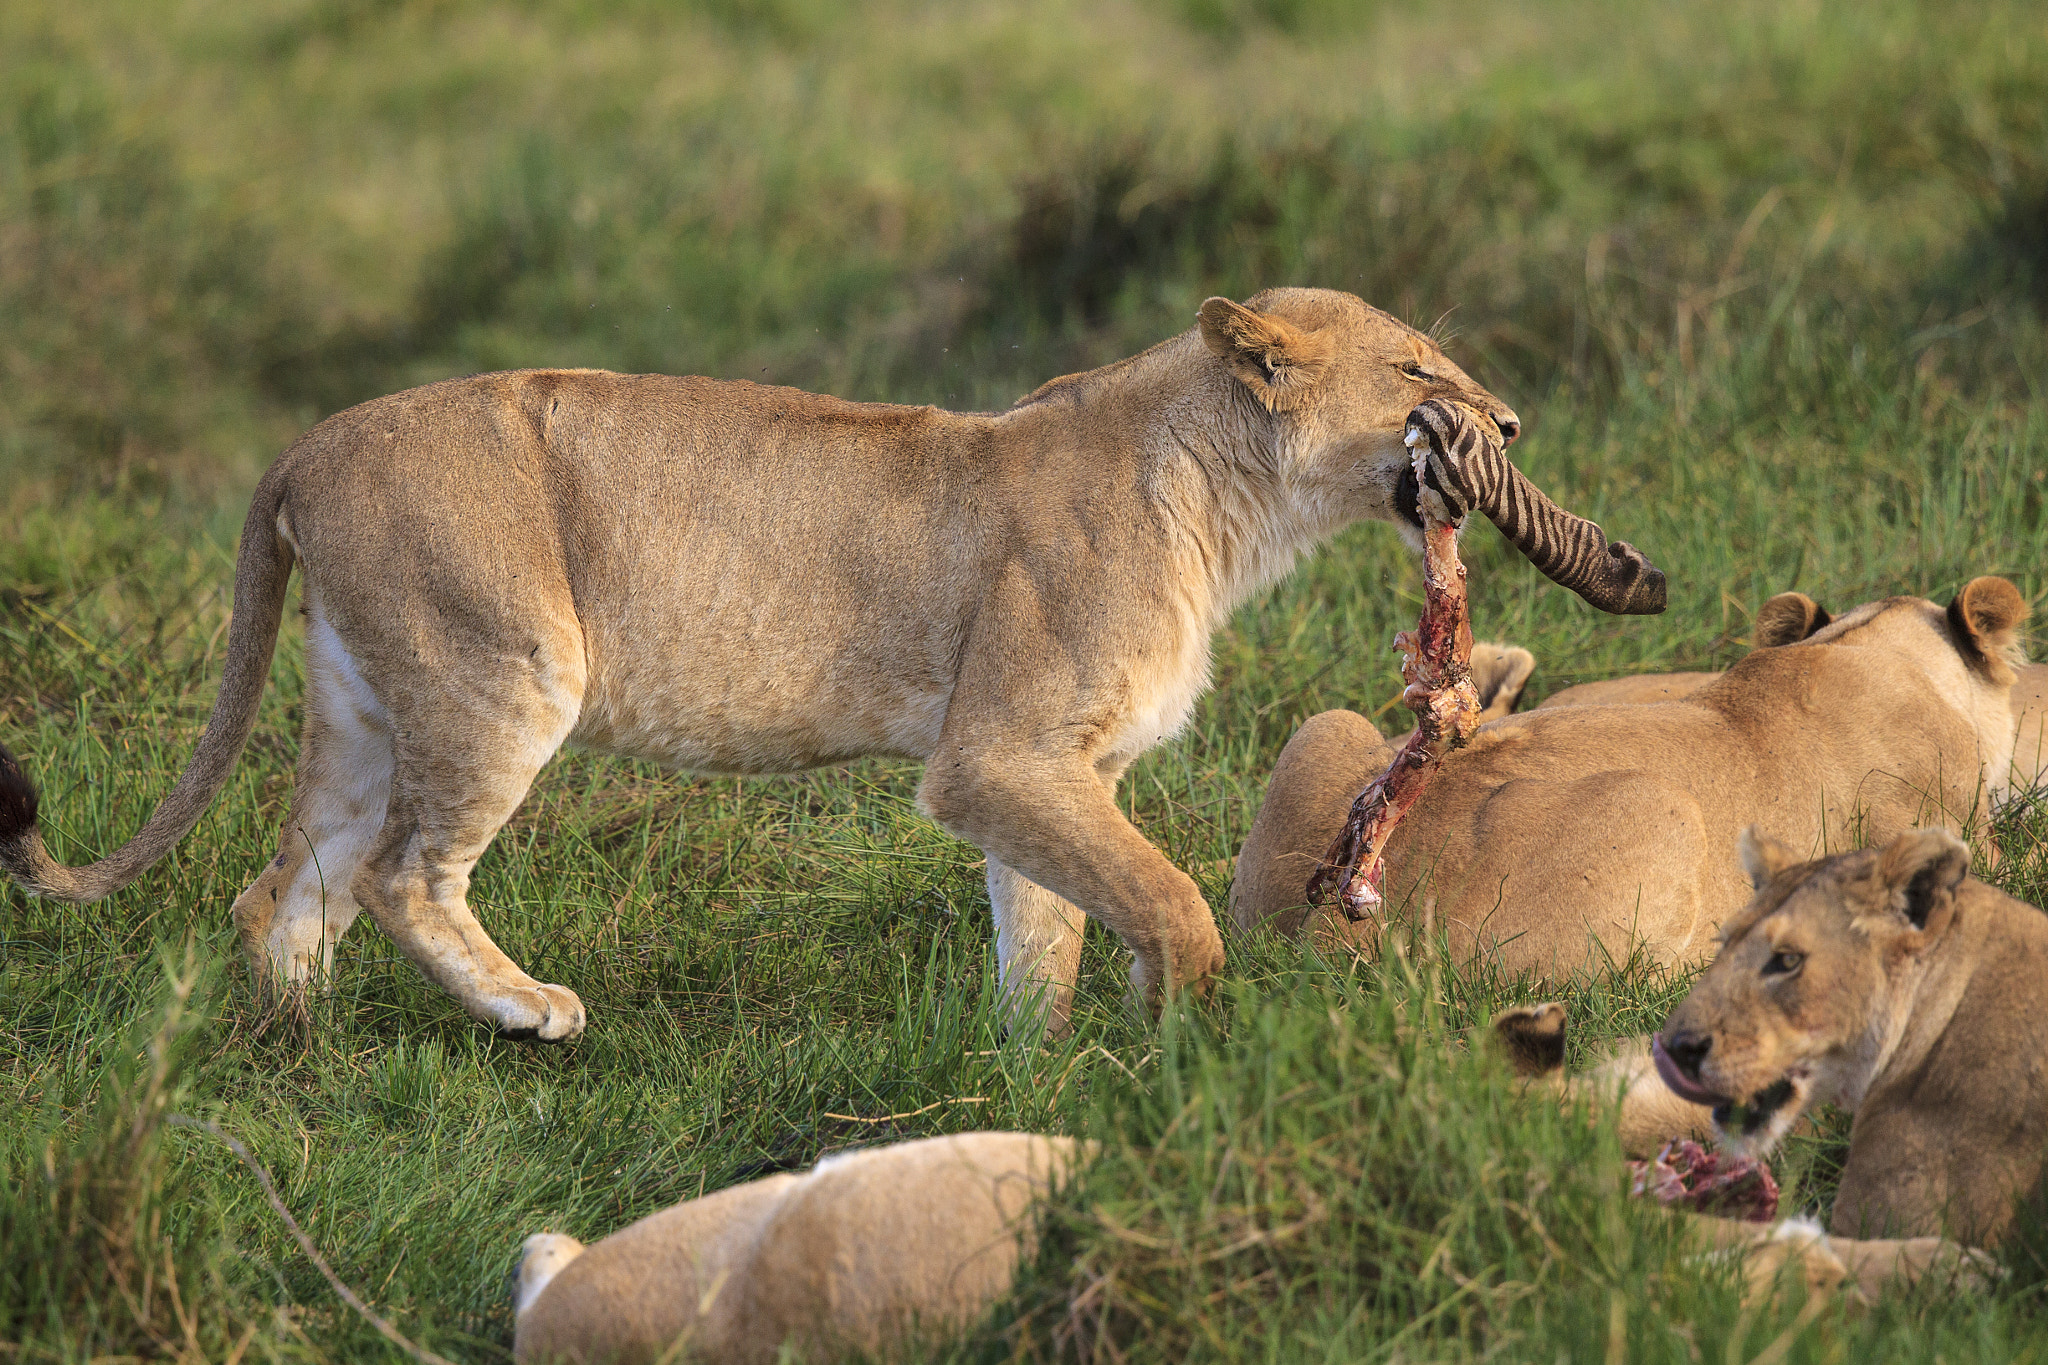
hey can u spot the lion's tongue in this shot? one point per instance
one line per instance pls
(1680, 1084)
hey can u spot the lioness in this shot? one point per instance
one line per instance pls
(736, 578)
(1798, 617)
(1531, 1038)
(1892, 983)
(857, 1256)
(1563, 834)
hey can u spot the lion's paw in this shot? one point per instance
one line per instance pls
(1532, 1037)
(541, 1013)
(1196, 961)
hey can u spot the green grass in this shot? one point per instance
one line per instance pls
(1766, 282)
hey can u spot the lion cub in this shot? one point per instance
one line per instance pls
(859, 1255)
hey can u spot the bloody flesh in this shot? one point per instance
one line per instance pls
(1686, 1175)
(1436, 661)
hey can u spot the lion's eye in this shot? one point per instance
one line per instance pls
(1783, 963)
(1415, 371)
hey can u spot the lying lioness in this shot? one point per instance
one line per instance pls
(861, 1255)
(1565, 834)
(1649, 1116)
(1794, 612)
(1892, 983)
(735, 578)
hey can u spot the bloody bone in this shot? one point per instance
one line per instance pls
(1436, 662)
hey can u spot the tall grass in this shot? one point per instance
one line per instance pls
(112, 1249)
(1322, 1169)
(224, 225)
(1766, 281)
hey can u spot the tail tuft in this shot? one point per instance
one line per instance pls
(18, 807)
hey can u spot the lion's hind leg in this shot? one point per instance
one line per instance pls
(298, 908)
(467, 749)
(543, 1257)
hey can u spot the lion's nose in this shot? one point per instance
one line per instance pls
(1688, 1050)
(1510, 426)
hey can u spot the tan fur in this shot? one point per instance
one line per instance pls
(1648, 1115)
(1864, 1269)
(1566, 837)
(1638, 690)
(735, 578)
(2030, 733)
(861, 1255)
(1499, 673)
(2029, 705)
(1776, 621)
(1889, 982)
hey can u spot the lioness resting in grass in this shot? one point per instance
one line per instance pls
(2029, 701)
(1649, 1116)
(1562, 835)
(860, 1255)
(1894, 984)
(735, 578)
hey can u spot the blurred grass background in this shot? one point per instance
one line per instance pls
(1766, 281)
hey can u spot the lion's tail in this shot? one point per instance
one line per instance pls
(263, 567)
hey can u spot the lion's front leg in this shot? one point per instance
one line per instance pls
(1040, 725)
(1053, 824)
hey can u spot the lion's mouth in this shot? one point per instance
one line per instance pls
(1408, 496)
(1749, 1119)
(1680, 1084)
(1742, 1118)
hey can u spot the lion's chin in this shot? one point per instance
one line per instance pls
(1756, 1126)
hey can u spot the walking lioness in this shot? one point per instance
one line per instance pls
(735, 578)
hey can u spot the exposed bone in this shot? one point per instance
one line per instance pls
(1436, 662)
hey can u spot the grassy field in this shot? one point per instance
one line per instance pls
(1766, 282)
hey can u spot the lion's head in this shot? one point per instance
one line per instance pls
(1335, 384)
(1810, 992)
(1341, 377)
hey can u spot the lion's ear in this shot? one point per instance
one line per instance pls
(1787, 619)
(1764, 857)
(1272, 357)
(1984, 620)
(1921, 872)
